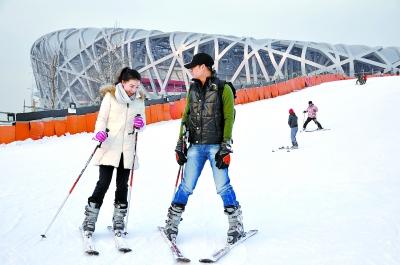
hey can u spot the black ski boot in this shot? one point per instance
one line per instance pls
(120, 210)
(235, 231)
(174, 218)
(91, 214)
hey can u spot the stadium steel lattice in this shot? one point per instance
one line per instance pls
(70, 65)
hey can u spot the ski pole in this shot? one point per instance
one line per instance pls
(181, 167)
(180, 172)
(131, 178)
(130, 186)
(70, 191)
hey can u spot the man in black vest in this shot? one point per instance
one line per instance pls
(208, 117)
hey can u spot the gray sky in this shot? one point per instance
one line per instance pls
(367, 22)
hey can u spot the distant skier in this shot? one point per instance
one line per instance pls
(118, 116)
(293, 128)
(312, 115)
(361, 79)
(209, 117)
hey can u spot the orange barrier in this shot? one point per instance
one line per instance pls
(239, 97)
(48, 129)
(267, 92)
(21, 130)
(246, 98)
(75, 124)
(80, 123)
(91, 121)
(160, 112)
(154, 113)
(260, 93)
(274, 91)
(166, 111)
(174, 110)
(60, 127)
(148, 116)
(7, 134)
(72, 124)
(300, 83)
(181, 107)
(281, 88)
(291, 85)
(253, 95)
(36, 129)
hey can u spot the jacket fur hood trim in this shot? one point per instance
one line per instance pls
(111, 89)
(107, 89)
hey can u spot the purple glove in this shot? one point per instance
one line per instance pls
(100, 136)
(138, 122)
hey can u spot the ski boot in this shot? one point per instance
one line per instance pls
(235, 231)
(120, 210)
(174, 218)
(91, 214)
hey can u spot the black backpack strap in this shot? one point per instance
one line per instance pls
(221, 85)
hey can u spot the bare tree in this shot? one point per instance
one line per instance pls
(47, 71)
(112, 59)
(53, 81)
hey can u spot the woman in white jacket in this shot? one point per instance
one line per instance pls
(122, 112)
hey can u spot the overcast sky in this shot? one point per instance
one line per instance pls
(367, 22)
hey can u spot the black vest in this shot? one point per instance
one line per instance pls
(206, 117)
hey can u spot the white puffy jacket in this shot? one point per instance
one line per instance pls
(118, 119)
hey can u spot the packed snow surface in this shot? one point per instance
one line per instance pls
(335, 200)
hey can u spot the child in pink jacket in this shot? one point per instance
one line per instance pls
(312, 115)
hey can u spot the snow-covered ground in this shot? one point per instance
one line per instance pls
(334, 201)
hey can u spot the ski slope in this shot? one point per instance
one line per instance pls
(336, 200)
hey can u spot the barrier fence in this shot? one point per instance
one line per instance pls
(65, 122)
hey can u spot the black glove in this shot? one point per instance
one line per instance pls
(222, 157)
(181, 152)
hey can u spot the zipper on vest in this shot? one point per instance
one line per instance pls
(202, 100)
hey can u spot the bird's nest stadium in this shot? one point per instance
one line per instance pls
(70, 65)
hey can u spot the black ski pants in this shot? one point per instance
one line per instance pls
(312, 119)
(105, 177)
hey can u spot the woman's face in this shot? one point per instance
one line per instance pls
(130, 86)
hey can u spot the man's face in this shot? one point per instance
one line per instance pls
(198, 71)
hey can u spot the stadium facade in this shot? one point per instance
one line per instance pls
(70, 65)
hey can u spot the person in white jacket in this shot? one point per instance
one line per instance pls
(122, 112)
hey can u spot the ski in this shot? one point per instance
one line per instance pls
(88, 244)
(282, 148)
(178, 256)
(316, 130)
(120, 242)
(225, 250)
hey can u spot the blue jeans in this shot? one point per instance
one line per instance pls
(293, 132)
(197, 156)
